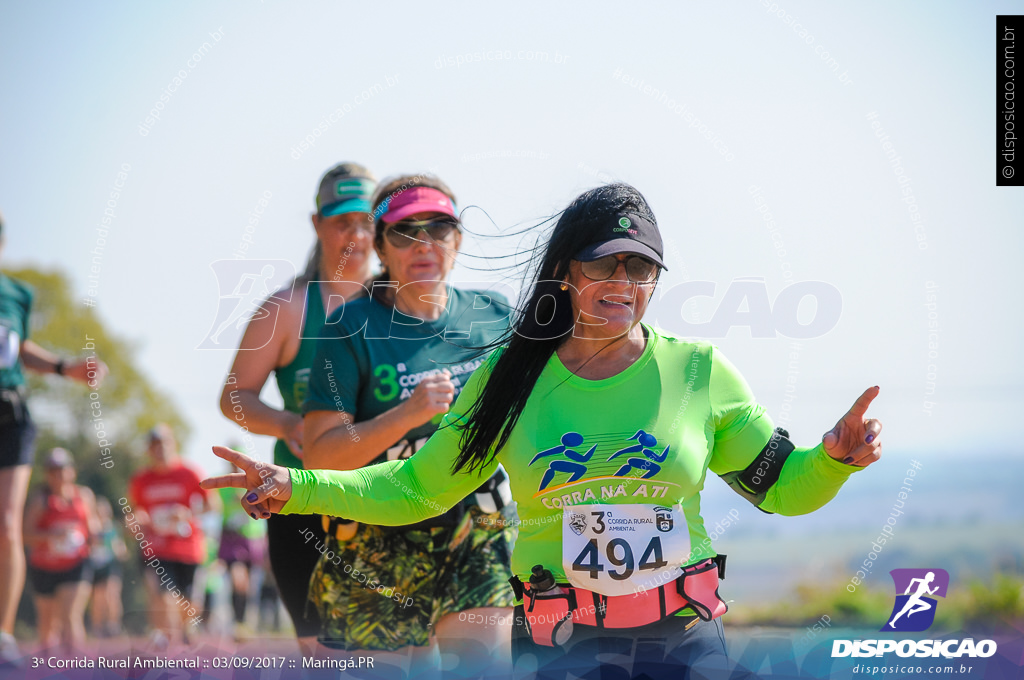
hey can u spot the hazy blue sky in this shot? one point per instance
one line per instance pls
(520, 137)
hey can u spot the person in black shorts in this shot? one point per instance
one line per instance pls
(60, 522)
(17, 440)
(108, 552)
(166, 503)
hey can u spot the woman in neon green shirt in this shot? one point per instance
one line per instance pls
(607, 428)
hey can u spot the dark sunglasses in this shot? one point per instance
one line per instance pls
(638, 268)
(404, 234)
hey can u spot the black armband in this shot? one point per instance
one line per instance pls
(756, 479)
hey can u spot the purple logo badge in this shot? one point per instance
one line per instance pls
(914, 610)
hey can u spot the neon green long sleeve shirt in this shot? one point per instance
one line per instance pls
(645, 436)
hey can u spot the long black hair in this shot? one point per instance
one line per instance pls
(541, 325)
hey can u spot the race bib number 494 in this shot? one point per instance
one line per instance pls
(620, 549)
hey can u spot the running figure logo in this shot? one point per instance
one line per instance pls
(649, 463)
(243, 285)
(574, 466)
(914, 611)
(579, 462)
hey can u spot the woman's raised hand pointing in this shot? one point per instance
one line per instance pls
(854, 440)
(268, 486)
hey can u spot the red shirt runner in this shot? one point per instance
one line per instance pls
(172, 499)
(70, 546)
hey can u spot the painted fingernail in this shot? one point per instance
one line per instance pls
(266, 515)
(253, 515)
(848, 460)
(251, 497)
(869, 438)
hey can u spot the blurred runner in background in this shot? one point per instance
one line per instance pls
(108, 553)
(270, 602)
(210, 575)
(168, 501)
(17, 439)
(60, 520)
(242, 542)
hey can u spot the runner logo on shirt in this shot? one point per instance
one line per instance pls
(643, 460)
(578, 464)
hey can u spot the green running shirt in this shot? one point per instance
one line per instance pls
(293, 379)
(372, 356)
(15, 305)
(648, 435)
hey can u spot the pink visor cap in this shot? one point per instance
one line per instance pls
(400, 205)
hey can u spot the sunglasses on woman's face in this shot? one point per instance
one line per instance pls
(404, 234)
(638, 268)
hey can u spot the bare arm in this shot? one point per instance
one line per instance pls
(139, 515)
(33, 513)
(142, 518)
(39, 360)
(270, 340)
(333, 441)
(95, 525)
(119, 548)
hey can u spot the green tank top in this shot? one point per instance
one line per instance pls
(293, 379)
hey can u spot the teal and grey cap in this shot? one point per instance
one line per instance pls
(345, 188)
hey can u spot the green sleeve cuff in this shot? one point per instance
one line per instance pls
(810, 479)
(834, 466)
(303, 482)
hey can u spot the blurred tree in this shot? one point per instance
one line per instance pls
(69, 414)
(126, 403)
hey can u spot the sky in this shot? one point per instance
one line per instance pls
(842, 123)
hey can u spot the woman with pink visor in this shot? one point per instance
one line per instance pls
(387, 368)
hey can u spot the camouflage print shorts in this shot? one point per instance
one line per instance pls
(386, 589)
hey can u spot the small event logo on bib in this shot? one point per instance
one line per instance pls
(663, 519)
(578, 523)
